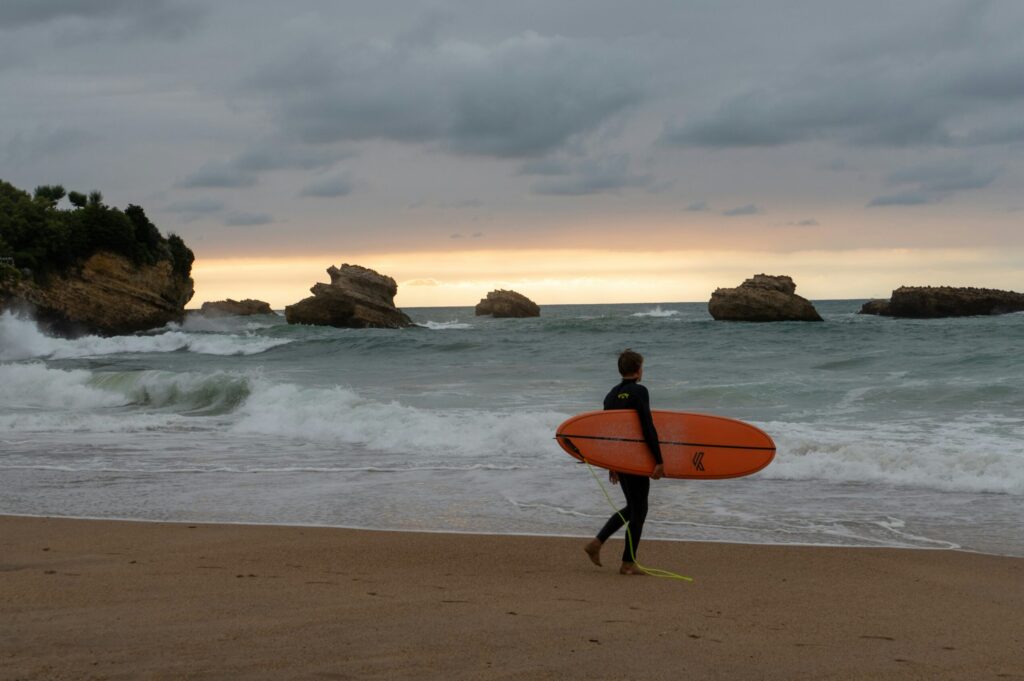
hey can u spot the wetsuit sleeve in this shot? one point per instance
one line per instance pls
(643, 408)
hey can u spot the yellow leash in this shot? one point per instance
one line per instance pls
(654, 572)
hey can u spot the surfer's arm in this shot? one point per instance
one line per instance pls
(643, 408)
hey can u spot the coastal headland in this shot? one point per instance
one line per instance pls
(91, 599)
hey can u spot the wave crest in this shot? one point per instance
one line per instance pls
(21, 339)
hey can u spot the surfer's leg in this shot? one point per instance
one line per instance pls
(636, 488)
(614, 524)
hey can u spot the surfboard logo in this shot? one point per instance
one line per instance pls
(698, 461)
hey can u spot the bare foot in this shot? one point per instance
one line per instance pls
(593, 549)
(630, 569)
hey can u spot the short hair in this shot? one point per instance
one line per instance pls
(630, 362)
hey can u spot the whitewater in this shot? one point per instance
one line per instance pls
(901, 433)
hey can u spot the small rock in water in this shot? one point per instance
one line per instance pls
(762, 298)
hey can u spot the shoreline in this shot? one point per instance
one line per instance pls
(470, 533)
(110, 599)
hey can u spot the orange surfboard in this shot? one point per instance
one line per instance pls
(698, 446)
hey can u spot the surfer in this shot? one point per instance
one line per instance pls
(629, 394)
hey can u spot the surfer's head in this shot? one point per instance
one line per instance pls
(631, 364)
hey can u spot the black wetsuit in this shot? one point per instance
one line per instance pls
(631, 395)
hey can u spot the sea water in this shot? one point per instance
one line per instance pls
(900, 433)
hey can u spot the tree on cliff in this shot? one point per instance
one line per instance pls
(49, 240)
(49, 194)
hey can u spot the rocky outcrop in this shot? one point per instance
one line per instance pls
(762, 298)
(357, 297)
(235, 308)
(502, 303)
(925, 302)
(876, 306)
(107, 295)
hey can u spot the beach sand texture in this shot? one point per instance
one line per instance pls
(89, 599)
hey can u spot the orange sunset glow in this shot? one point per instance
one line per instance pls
(591, 276)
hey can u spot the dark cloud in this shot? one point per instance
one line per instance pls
(1006, 133)
(244, 219)
(748, 209)
(913, 92)
(908, 198)
(698, 206)
(866, 114)
(24, 147)
(217, 175)
(196, 206)
(524, 96)
(932, 183)
(328, 187)
(18, 13)
(100, 18)
(838, 165)
(286, 156)
(809, 222)
(244, 169)
(594, 176)
(545, 166)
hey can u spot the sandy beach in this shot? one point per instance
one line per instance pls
(88, 599)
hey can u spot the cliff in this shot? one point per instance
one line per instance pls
(107, 294)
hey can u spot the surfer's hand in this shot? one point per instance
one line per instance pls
(613, 477)
(659, 471)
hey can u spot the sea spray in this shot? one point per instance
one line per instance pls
(952, 457)
(21, 339)
(338, 415)
(656, 312)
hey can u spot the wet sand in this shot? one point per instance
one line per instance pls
(88, 599)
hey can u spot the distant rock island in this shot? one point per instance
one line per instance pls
(928, 302)
(502, 303)
(91, 269)
(235, 308)
(357, 297)
(762, 298)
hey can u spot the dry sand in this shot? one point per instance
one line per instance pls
(86, 599)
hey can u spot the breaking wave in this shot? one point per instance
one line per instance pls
(21, 339)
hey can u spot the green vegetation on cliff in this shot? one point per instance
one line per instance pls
(49, 240)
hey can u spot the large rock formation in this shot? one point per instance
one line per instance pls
(502, 303)
(230, 307)
(107, 294)
(925, 302)
(762, 298)
(357, 297)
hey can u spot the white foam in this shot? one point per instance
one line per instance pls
(21, 339)
(951, 455)
(229, 324)
(442, 326)
(36, 398)
(656, 312)
(34, 386)
(339, 415)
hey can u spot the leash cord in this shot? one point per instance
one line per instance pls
(654, 572)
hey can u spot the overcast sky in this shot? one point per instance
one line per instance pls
(329, 132)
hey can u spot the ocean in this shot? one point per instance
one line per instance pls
(895, 433)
